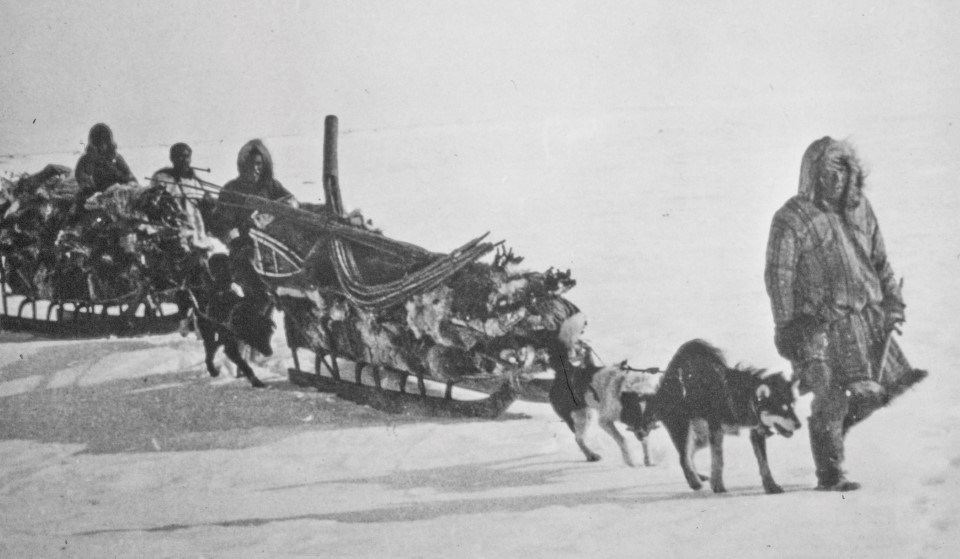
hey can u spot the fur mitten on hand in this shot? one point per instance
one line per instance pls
(791, 337)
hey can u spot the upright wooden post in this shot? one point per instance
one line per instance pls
(331, 180)
(3, 284)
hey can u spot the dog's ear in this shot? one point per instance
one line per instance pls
(763, 392)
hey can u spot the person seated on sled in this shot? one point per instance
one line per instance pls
(233, 219)
(835, 303)
(180, 182)
(101, 166)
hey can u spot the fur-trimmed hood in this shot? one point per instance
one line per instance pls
(99, 133)
(825, 152)
(248, 150)
(810, 166)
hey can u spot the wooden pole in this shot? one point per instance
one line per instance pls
(331, 180)
(886, 347)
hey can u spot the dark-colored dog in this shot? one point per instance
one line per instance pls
(698, 389)
(226, 319)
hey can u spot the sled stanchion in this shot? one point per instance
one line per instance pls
(3, 284)
(376, 376)
(23, 304)
(296, 358)
(334, 366)
(321, 362)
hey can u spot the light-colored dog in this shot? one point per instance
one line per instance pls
(583, 398)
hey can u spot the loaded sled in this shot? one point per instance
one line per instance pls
(104, 265)
(413, 323)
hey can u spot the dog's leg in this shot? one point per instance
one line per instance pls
(759, 442)
(699, 439)
(646, 451)
(232, 350)
(611, 429)
(716, 458)
(246, 355)
(210, 345)
(581, 421)
(679, 430)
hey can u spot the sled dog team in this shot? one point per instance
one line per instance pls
(696, 399)
(835, 301)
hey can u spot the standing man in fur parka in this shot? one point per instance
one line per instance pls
(835, 303)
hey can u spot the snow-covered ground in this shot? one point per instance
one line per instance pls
(644, 148)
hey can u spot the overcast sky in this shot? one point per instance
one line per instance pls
(166, 69)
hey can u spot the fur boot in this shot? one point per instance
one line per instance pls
(826, 444)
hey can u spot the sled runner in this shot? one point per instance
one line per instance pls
(390, 391)
(83, 318)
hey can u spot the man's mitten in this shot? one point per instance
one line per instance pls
(793, 337)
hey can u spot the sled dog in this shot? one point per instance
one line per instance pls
(699, 394)
(583, 397)
(226, 319)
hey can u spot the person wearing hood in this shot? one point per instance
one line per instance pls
(182, 184)
(101, 166)
(835, 303)
(255, 167)
(232, 221)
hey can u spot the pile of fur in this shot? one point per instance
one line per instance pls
(122, 244)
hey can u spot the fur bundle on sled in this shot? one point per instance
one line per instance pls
(123, 242)
(478, 322)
